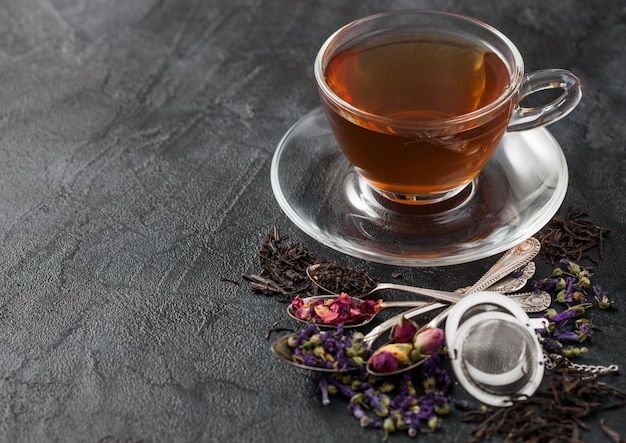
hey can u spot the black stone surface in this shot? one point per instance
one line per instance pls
(135, 147)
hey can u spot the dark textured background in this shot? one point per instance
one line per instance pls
(135, 147)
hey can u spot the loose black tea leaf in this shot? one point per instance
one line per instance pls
(229, 280)
(336, 278)
(283, 271)
(558, 413)
(613, 435)
(283, 268)
(572, 237)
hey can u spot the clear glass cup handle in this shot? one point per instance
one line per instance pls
(527, 118)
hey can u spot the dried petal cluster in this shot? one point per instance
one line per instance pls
(334, 311)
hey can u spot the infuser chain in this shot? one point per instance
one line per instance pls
(553, 360)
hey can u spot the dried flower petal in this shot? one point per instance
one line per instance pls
(565, 336)
(326, 314)
(602, 298)
(334, 311)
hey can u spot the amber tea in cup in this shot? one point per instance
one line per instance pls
(419, 100)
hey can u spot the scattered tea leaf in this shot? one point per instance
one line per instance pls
(555, 414)
(572, 237)
(283, 268)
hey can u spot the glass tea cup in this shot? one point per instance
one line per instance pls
(418, 100)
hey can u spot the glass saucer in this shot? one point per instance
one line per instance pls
(516, 194)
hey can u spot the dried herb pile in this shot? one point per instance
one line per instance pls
(283, 271)
(283, 268)
(337, 278)
(557, 414)
(573, 237)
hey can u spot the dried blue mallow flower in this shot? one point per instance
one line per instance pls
(584, 329)
(602, 298)
(332, 349)
(393, 404)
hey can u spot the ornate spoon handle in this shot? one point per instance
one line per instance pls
(513, 259)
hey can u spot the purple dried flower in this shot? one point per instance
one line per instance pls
(569, 313)
(323, 385)
(602, 298)
(432, 368)
(549, 284)
(329, 349)
(584, 329)
(359, 413)
(572, 292)
(565, 336)
(551, 344)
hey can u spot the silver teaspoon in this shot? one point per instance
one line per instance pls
(502, 268)
(511, 283)
(529, 302)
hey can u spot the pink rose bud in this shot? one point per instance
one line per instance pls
(404, 331)
(429, 340)
(384, 362)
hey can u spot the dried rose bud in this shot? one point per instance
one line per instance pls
(404, 331)
(384, 362)
(429, 340)
(400, 351)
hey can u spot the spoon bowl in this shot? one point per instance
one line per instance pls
(291, 310)
(283, 351)
(529, 301)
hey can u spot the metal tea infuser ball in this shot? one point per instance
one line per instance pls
(494, 348)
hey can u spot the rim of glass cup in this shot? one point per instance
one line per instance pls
(516, 73)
